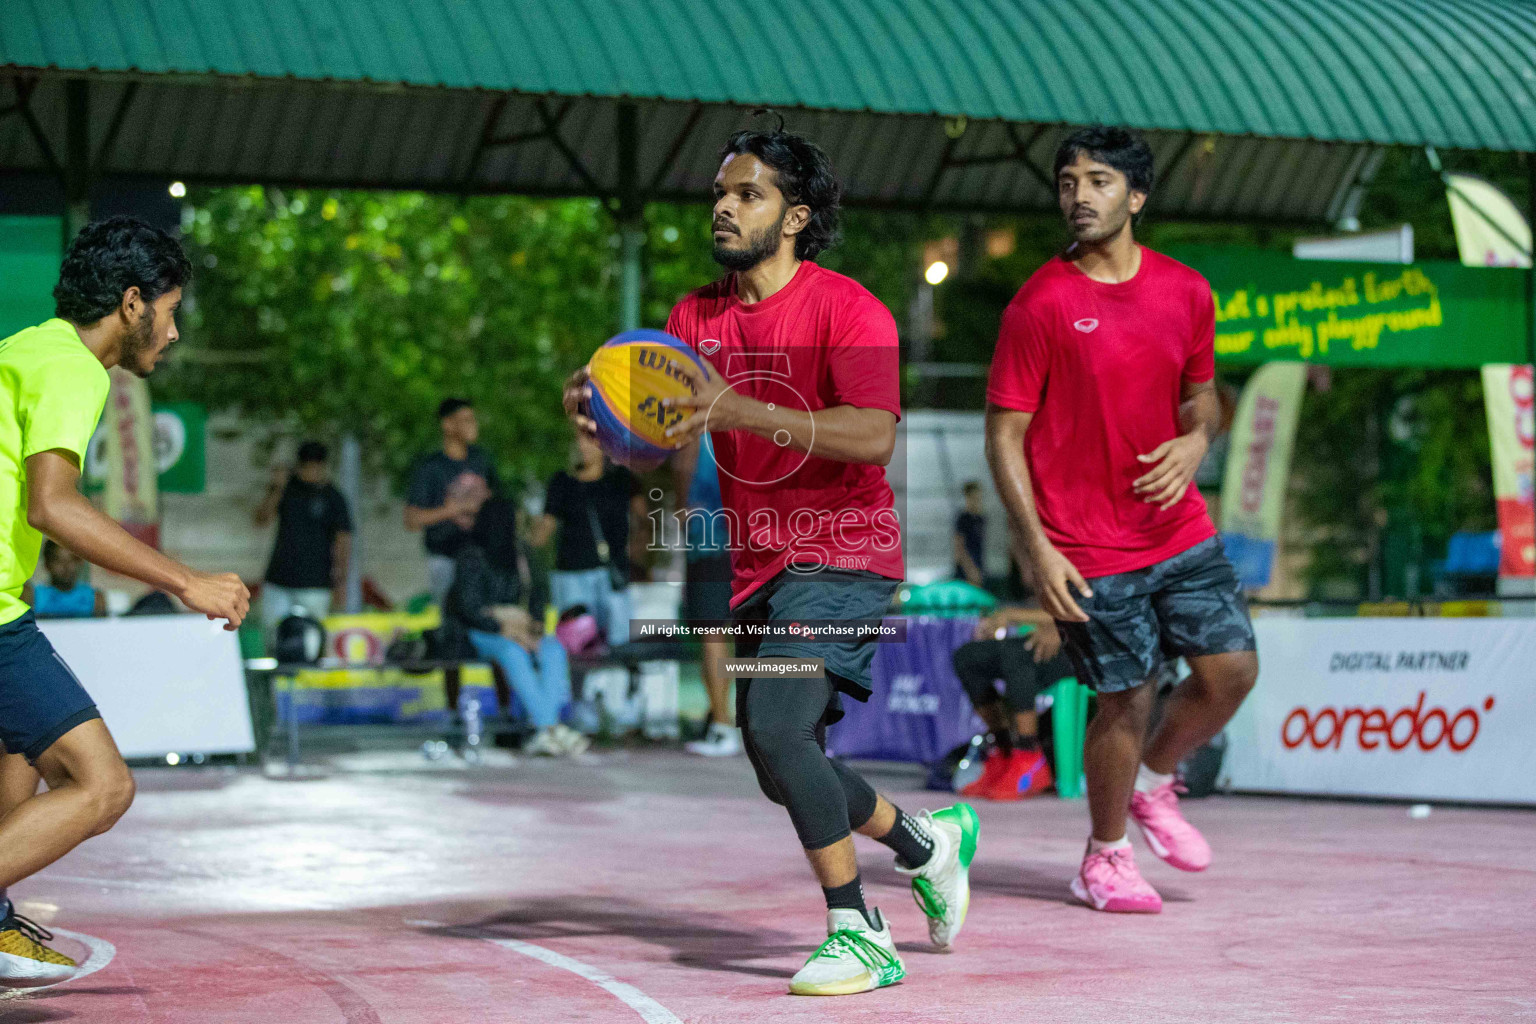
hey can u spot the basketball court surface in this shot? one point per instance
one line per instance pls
(650, 886)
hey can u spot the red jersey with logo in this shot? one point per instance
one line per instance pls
(1101, 367)
(820, 341)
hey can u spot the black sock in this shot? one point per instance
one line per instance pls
(912, 843)
(1028, 744)
(849, 896)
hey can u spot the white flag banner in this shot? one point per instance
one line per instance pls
(1490, 229)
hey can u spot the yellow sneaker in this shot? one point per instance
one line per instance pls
(25, 960)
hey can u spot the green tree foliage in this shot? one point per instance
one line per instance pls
(332, 312)
(1390, 464)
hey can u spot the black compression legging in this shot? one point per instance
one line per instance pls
(981, 662)
(783, 729)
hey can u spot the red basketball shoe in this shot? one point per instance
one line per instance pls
(1024, 773)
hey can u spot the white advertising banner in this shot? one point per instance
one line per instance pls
(163, 683)
(1432, 709)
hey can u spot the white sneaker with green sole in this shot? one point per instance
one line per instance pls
(942, 887)
(855, 958)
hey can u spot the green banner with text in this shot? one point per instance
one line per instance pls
(1431, 314)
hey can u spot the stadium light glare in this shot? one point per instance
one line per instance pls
(178, 189)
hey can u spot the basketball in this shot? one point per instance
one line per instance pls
(630, 376)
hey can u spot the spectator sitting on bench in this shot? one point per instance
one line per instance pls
(487, 610)
(65, 595)
(1026, 665)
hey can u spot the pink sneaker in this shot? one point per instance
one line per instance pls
(1108, 880)
(1170, 836)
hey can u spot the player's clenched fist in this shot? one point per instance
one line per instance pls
(218, 595)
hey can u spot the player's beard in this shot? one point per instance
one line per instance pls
(760, 245)
(139, 340)
(1106, 225)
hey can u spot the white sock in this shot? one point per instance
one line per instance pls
(1094, 845)
(1147, 780)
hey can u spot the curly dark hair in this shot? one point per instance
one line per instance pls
(110, 256)
(1124, 150)
(804, 174)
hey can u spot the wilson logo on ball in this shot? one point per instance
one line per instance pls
(631, 376)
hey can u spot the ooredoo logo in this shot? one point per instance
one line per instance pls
(1327, 728)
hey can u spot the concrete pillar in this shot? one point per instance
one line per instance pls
(77, 158)
(349, 481)
(630, 216)
(631, 246)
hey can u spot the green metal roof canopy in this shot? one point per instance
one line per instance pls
(1257, 109)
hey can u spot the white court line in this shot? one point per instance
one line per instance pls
(101, 954)
(649, 1009)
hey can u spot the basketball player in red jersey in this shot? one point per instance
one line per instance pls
(801, 398)
(1100, 407)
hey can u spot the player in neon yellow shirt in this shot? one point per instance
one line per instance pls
(116, 299)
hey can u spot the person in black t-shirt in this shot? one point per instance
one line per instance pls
(446, 491)
(593, 504)
(970, 537)
(308, 568)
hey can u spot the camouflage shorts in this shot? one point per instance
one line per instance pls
(1185, 606)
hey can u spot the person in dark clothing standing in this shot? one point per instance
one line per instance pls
(593, 504)
(446, 491)
(308, 568)
(971, 537)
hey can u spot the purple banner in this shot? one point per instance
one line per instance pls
(918, 710)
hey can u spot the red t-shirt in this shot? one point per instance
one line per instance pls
(820, 341)
(1101, 366)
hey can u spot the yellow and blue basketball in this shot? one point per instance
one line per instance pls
(631, 375)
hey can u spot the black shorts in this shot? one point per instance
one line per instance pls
(823, 593)
(1185, 606)
(40, 698)
(707, 589)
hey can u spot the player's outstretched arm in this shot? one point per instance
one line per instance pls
(56, 508)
